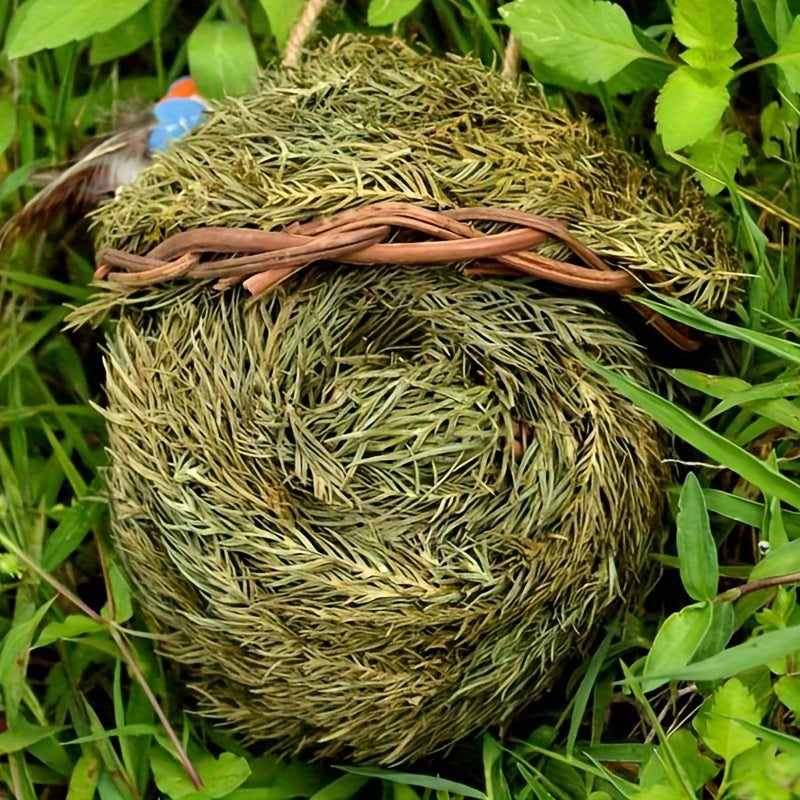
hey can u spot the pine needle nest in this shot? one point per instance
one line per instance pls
(377, 508)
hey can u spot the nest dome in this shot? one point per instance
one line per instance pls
(377, 508)
(376, 511)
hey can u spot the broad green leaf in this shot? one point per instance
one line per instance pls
(787, 690)
(757, 650)
(23, 736)
(81, 517)
(675, 644)
(789, 744)
(725, 736)
(773, 14)
(402, 792)
(387, 12)
(719, 631)
(697, 551)
(787, 56)
(588, 40)
(660, 792)
(635, 753)
(52, 754)
(784, 16)
(762, 773)
(689, 428)
(699, 769)
(222, 59)
(689, 106)
(107, 789)
(773, 526)
(639, 74)
(424, 781)
(101, 642)
(779, 122)
(750, 512)
(705, 24)
(715, 61)
(11, 566)
(15, 655)
(17, 641)
(84, 779)
(8, 122)
(717, 158)
(759, 683)
(282, 14)
(782, 560)
(342, 788)
(279, 779)
(71, 627)
(782, 613)
(122, 39)
(120, 593)
(220, 776)
(493, 772)
(46, 24)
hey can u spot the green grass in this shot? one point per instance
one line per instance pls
(695, 695)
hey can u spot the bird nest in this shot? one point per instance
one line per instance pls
(378, 506)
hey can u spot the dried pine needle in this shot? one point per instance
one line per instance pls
(369, 120)
(377, 510)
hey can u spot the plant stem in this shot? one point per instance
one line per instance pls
(763, 62)
(769, 207)
(754, 586)
(117, 634)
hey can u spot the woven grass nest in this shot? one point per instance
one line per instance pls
(379, 507)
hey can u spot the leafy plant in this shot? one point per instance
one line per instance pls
(697, 695)
(693, 82)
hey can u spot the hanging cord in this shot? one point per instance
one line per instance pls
(301, 31)
(511, 59)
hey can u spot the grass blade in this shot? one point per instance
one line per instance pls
(682, 312)
(32, 337)
(424, 781)
(683, 424)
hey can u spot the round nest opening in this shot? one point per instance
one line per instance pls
(378, 510)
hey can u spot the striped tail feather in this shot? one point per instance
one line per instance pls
(98, 171)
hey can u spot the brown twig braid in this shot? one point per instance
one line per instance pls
(377, 234)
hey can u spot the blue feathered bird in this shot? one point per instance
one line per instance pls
(114, 160)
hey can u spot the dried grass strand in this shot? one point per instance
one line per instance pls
(361, 122)
(377, 509)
